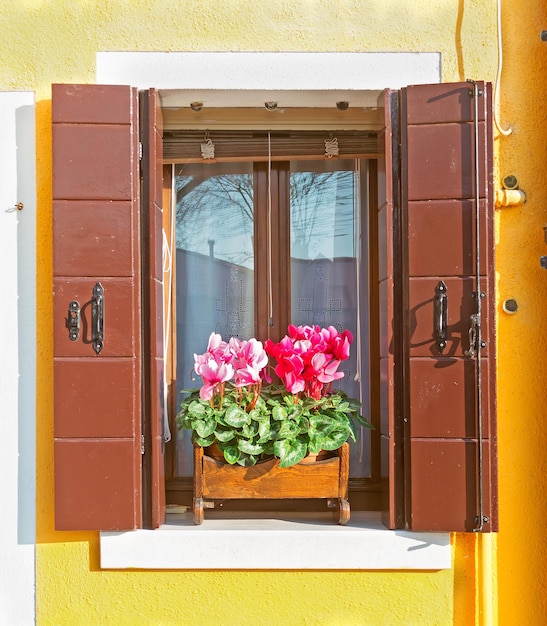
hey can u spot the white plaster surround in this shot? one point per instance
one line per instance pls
(293, 79)
(248, 79)
(298, 541)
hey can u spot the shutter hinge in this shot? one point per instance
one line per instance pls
(142, 444)
(471, 92)
(140, 150)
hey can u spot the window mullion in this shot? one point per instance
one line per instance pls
(272, 250)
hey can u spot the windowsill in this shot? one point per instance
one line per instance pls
(296, 541)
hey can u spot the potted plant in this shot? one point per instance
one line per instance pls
(250, 420)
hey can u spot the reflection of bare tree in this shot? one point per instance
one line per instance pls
(223, 204)
(312, 197)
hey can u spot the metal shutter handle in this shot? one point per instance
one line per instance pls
(97, 318)
(440, 315)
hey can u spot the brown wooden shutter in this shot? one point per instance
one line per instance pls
(448, 449)
(153, 337)
(96, 223)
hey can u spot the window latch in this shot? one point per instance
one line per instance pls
(475, 338)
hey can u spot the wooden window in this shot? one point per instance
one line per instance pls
(259, 246)
(435, 404)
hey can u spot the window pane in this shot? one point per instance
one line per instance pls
(215, 265)
(328, 276)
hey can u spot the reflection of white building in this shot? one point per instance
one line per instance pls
(212, 295)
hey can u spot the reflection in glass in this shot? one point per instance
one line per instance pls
(214, 270)
(325, 279)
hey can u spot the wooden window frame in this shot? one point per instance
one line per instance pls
(365, 492)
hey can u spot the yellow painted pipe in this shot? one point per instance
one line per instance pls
(510, 197)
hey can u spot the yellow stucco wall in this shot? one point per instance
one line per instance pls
(48, 41)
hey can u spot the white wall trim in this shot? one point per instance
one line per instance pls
(18, 362)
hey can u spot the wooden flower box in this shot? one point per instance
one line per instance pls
(325, 479)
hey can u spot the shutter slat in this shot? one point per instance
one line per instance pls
(97, 397)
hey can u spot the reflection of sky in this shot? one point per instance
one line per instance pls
(323, 218)
(215, 205)
(217, 219)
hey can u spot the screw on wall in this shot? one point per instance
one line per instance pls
(543, 35)
(510, 306)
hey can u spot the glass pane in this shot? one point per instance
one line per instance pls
(329, 281)
(215, 266)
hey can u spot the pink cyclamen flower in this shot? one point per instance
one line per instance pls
(289, 368)
(216, 349)
(339, 344)
(213, 374)
(213, 366)
(308, 358)
(248, 359)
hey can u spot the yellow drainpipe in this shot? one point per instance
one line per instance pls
(487, 599)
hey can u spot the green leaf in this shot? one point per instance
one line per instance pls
(295, 411)
(184, 421)
(288, 430)
(219, 416)
(322, 423)
(235, 416)
(279, 413)
(363, 421)
(247, 460)
(354, 405)
(303, 425)
(203, 441)
(197, 409)
(290, 452)
(249, 447)
(335, 439)
(249, 430)
(224, 435)
(231, 454)
(315, 444)
(204, 427)
(269, 449)
(257, 415)
(265, 432)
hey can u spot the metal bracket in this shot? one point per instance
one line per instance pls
(471, 92)
(74, 320)
(480, 520)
